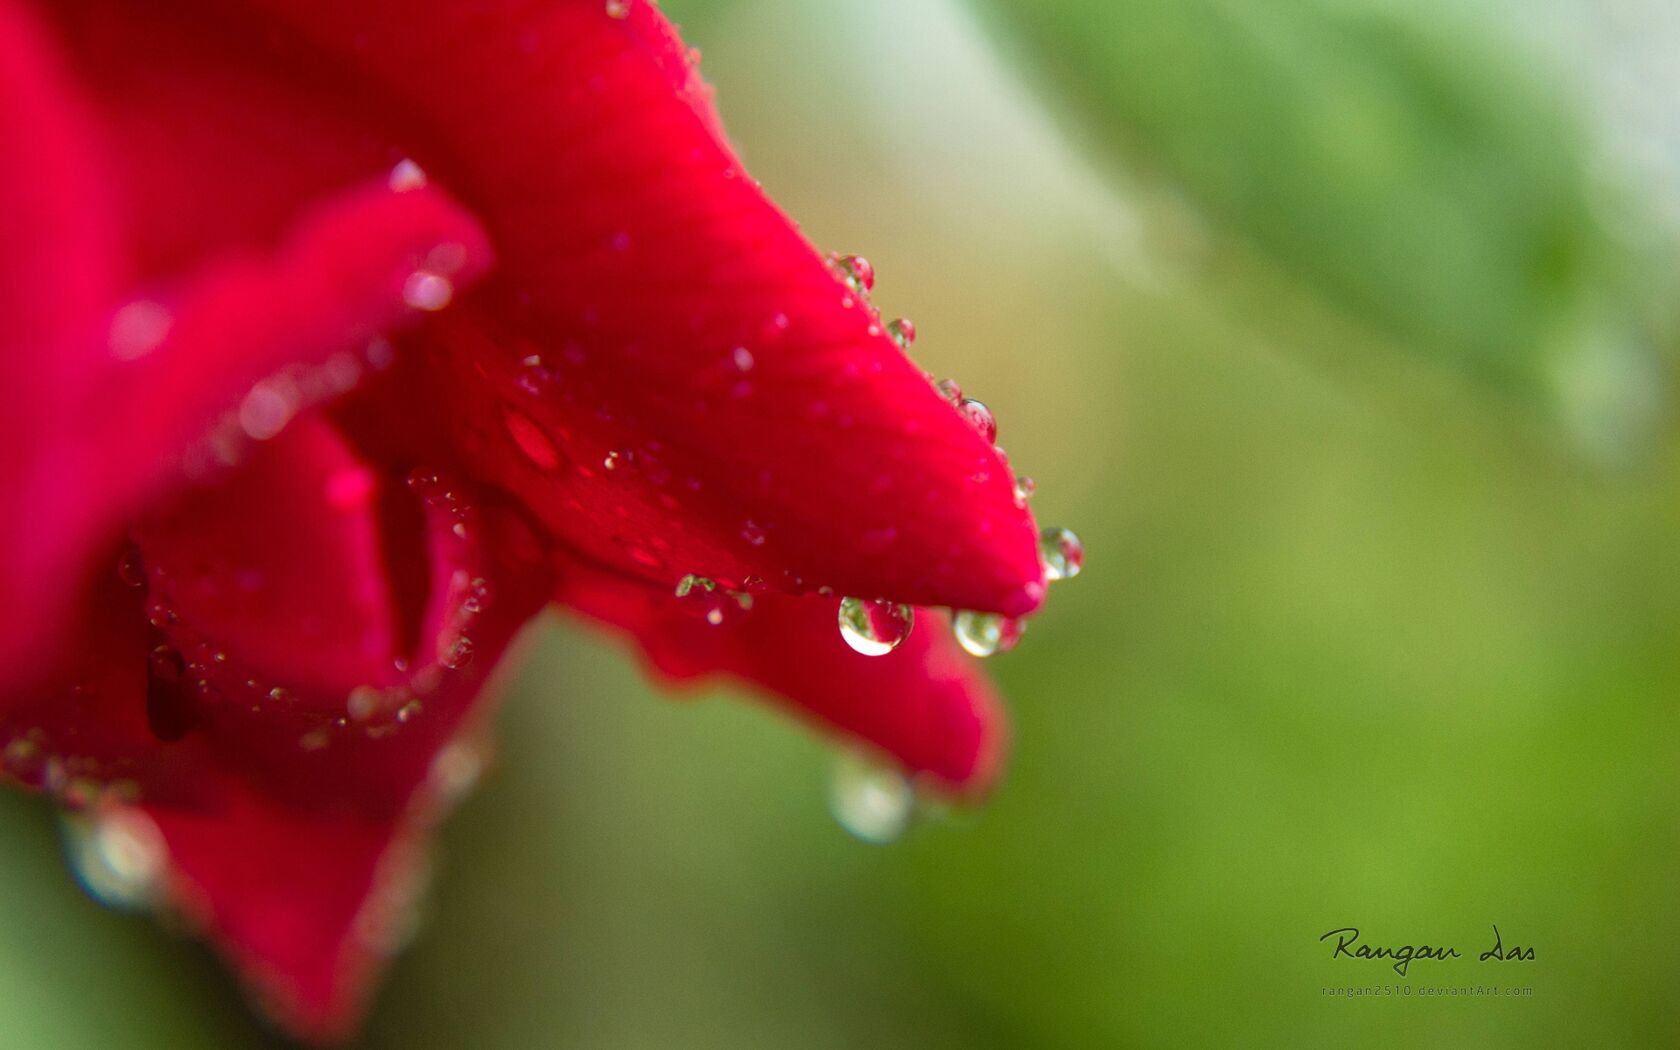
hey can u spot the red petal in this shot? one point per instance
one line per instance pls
(925, 703)
(334, 285)
(643, 269)
(287, 563)
(292, 831)
(54, 279)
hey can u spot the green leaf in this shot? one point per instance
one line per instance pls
(1413, 171)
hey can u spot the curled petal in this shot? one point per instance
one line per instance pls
(656, 307)
(924, 703)
(172, 366)
(289, 826)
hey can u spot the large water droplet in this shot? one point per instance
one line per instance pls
(870, 799)
(984, 634)
(979, 417)
(856, 270)
(1061, 552)
(875, 628)
(118, 856)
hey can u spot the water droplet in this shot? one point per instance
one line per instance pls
(872, 800)
(267, 409)
(428, 291)
(138, 328)
(874, 628)
(1061, 552)
(456, 653)
(708, 601)
(752, 533)
(949, 389)
(119, 857)
(979, 417)
(1024, 488)
(616, 460)
(531, 440)
(903, 332)
(742, 358)
(855, 269)
(364, 702)
(409, 711)
(618, 8)
(406, 176)
(984, 634)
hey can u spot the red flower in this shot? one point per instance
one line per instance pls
(344, 337)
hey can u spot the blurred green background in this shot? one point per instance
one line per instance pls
(1342, 333)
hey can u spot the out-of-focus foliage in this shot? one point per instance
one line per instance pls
(1349, 649)
(1394, 155)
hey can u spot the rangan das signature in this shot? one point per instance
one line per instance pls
(1347, 946)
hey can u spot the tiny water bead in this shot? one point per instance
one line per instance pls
(618, 9)
(986, 634)
(979, 417)
(872, 800)
(1061, 552)
(856, 270)
(903, 332)
(875, 628)
(949, 389)
(1024, 488)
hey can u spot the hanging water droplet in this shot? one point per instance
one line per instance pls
(875, 628)
(1024, 488)
(979, 417)
(903, 332)
(1061, 552)
(856, 270)
(708, 601)
(984, 634)
(872, 800)
(118, 856)
(949, 389)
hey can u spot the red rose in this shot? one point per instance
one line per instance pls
(345, 337)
